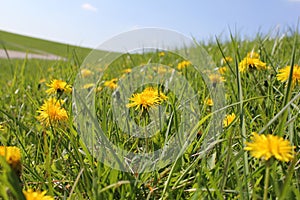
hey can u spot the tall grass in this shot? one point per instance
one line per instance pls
(57, 160)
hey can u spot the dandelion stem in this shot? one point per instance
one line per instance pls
(267, 176)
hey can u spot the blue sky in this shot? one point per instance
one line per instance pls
(91, 22)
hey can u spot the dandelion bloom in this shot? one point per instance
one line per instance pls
(37, 195)
(222, 70)
(111, 84)
(58, 86)
(51, 112)
(161, 54)
(85, 73)
(252, 61)
(216, 78)
(126, 71)
(98, 89)
(1, 127)
(183, 64)
(284, 73)
(227, 59)
(12, 156)
(266, 146)
(209, 102)
(88, 85)
(146, 99)
(229, 119)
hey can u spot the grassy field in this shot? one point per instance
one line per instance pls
(55, 159)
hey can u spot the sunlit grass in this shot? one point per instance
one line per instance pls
(56, 160)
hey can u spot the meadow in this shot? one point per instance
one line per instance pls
(254, 156)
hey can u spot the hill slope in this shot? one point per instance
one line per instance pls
(23, 43)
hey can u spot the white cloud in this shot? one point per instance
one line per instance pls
(89, 7)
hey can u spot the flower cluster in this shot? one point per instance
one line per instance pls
(12, 156)
(52, 113)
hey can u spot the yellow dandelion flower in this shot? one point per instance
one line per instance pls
(98, 89)
(209, 102)
(126, 71)
(1, 127)
(183, 64)
(150, 91)
(88, 85)
(229, 119)
(161, 54)
(12, 156)
(226, 59)
(36, 195)
(216, 78)
(58, 86)
(111, 84)
(146, 99)
(266, 146)
(251, 63)
(222, 70)
(85, 73)
(284, 73)
(51, 112)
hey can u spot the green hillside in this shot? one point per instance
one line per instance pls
(18, 42)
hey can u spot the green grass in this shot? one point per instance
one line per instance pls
(23, 43)
(56, 159)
